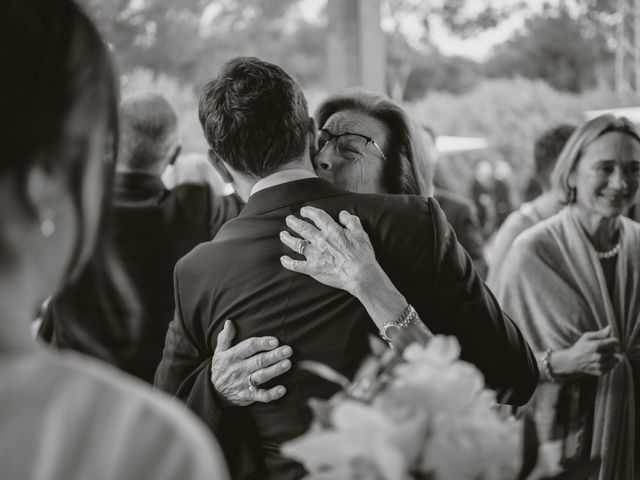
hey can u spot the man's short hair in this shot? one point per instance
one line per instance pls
(547, 150)
(149, 127)
(254, 116)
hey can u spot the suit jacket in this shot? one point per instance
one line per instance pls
(462, 217)
(238, 276)
(150, 228)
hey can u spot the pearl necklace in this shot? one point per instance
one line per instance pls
(610, 253)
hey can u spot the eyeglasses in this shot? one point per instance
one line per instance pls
(349, 145)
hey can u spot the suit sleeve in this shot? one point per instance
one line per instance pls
(184, 369)
(488, 337)
(184, 372)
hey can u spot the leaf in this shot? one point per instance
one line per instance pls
(322, 410)
(325, 372)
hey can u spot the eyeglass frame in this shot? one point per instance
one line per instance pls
(333, 136)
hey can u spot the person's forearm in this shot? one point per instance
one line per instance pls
(384, 303)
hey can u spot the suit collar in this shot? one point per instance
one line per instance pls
(291, 193)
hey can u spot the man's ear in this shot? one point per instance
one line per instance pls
(175, 155)
(219, 165)
(312, 132)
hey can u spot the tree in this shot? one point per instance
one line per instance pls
(190, 39)
(407, 56)
(437, 72)
(556, 47)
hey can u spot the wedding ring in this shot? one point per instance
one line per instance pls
(303, 244)
(253, 387)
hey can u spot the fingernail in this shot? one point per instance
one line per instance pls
(286, 351)
(226, 323)
(286, 364)
(281, 391)
(273, 342)
(284, 259)
(281, 234)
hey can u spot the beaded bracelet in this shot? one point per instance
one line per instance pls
(546, 364)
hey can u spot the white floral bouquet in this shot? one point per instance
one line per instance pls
(429, 417)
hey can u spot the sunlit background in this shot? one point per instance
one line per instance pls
(498, 70)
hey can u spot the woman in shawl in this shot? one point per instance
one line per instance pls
(572, 283)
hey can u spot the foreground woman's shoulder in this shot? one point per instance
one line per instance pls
(179, 445)
(110, 426)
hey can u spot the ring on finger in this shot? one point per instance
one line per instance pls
(252, 385)
(302, 245)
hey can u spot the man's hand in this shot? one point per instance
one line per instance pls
(238, 371)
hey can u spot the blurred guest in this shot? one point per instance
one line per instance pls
(491, 196)
(194, 167)
(151, 228)
(572, 282)
(65, 416)
(546, 151)
(459, 210)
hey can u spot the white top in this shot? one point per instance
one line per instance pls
(278, 178)
(68, 417)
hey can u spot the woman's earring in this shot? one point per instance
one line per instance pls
(47, 227)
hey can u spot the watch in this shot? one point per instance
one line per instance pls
(408, 317)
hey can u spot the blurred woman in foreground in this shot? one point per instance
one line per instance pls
(64, 416)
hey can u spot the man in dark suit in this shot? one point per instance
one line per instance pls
(256, 121)
(150, 229)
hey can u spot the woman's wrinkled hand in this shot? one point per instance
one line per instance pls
(593, 354)
(339, 256)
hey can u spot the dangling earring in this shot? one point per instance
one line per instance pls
(47, 227)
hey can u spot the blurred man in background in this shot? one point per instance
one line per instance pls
(546, 151)
(459, 210)
(151, 228)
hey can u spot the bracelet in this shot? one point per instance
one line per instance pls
(548, 371)
(407, 318)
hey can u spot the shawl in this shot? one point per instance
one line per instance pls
(554, 287)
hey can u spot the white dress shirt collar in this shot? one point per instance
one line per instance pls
(283, 176)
